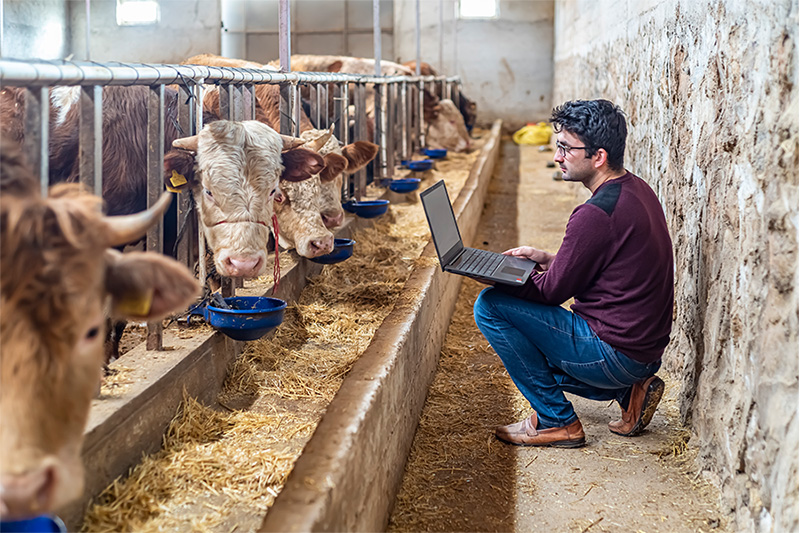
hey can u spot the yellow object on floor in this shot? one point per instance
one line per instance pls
(533, 134)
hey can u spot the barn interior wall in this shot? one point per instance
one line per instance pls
(710, 92)
(186, 28)
(35, 29)
(505, 64)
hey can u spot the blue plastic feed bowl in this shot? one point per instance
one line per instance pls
(342, 249)
(250, 317)
(40, 524)
(435, 153)
(422, 164)
(367, 208)
(404, 184)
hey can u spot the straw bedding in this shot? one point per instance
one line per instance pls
(221, 467)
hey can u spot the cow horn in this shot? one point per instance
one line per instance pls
(290, 142)
(124, 229)
(187, 143)
(319, 142)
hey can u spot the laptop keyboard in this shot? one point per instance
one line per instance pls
(479, 262)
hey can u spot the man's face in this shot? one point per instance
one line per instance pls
(571, 157)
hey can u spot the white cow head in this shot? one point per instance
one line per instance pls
(447, 129)
(233, 170)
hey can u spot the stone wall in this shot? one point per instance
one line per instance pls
(34, 29)
(710, 91)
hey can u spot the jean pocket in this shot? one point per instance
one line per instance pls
(596, 373)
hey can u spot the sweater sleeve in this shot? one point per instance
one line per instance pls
(578, 262)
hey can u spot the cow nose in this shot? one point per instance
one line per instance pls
(243, 267)
(332, 220)
(28, 494)
(321, 246)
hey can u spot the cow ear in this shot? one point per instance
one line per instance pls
(359, 154)
(336, 66)
(178, 170)
(300, 164)
(334, 166)
(148, 286)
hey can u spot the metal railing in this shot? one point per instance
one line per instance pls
(398, 123)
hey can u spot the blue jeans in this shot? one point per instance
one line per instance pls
(548, 350)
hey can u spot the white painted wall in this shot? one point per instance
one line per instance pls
(34, 29)
(187, 27)
(710, 91)
(506, 64)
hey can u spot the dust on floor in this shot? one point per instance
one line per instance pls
(460, 478)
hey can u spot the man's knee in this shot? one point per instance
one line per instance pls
(484, 307)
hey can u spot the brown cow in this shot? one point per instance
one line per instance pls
(58, 279)
(238, 163)
(307, 211)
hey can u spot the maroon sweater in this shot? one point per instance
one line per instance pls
(616, 261)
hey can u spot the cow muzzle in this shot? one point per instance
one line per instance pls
(27, 495)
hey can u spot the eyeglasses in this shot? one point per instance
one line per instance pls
(564, 149)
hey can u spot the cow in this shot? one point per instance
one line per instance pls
(444, 131)
(59, 276)
(232, 168)
(307, 211)
(468, 108)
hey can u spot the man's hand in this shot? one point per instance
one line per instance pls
(540, 256)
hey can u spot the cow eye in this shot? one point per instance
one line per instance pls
(208, 193)
(93, 333)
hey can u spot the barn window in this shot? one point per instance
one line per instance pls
(138, 12)
(477, 9)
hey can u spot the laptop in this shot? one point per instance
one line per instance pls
(455, 257)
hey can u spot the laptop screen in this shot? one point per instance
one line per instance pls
(441, 219)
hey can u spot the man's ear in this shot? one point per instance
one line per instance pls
(300, 164)
(178, 170)
(601, 157)
(358, 154)
(147, 285)
(334, 166)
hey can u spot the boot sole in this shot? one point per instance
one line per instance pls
(576, 443)
(651, 399)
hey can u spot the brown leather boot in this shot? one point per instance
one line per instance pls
(645, 396)
(524, 433)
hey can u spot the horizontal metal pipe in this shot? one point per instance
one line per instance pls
(60, 72)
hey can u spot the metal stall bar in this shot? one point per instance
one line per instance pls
(313, 100)
(341, 122)
(90, 149)
(37, 134)
(322, 105)
(155, 186)
(252, 107)
(390, 138)
(185, 223)
(405, 129)
(227, 112)
(297, 106)
(379, 163)
(202, 265)
(421, 114)
(361, 135)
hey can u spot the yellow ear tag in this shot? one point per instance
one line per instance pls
(135, 305)
(176, 180)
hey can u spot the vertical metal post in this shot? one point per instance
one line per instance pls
(284, 36)
(404, 125)
(155, 186)
(376, 35)
(225, 102)
(441, 36)
(90, 151)
(202, 267)
(88, 29)
(296, 108)
(378, 135)
(37, 134)
(456, 96)
(183, 249)
(285, 107)
(421, 120)
(237, 102)
(360, 135)
(390, 144)
(340, 126)
(322, 106)
(252, 90)
(313, 101)
(448, 90)
(417, 35)
(455, 41)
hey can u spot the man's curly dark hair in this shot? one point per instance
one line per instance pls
(598, 124)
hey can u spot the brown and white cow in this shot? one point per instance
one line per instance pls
(467, 107)
(444, 131)
(58, 280)
(238, 167)
(307, 211)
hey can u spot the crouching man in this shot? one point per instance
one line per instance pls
(616, 262)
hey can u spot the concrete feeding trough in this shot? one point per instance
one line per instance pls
(342, 249)
(367, 208)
